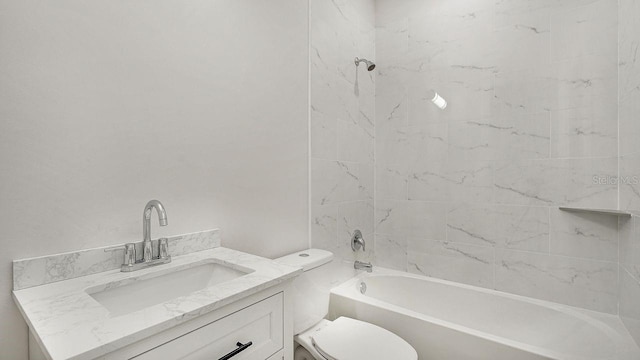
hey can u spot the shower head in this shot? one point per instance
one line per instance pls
(370, 64)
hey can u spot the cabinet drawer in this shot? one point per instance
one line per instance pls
(261, 324)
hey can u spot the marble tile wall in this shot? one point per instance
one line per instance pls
(471, 193)
(629, 268)
(342, 115)
(629, 151)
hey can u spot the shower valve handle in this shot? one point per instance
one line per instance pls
(357, 241)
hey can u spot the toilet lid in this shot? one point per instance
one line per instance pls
(350, 339)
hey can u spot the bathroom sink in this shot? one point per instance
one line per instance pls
(135, 294)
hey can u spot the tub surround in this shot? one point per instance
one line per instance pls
(471, 194)
(66, 321)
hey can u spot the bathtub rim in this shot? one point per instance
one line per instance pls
(621, 341)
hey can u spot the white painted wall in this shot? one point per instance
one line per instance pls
(107, 104)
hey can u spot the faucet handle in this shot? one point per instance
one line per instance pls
(129, 254)
(163, 248)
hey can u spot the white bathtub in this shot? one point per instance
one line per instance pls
(447, 320)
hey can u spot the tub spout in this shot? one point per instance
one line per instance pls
(359, 265)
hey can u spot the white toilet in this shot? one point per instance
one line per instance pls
(344, 338)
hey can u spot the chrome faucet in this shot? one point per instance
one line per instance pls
(359, 265)
(147, 252)
(131, 262)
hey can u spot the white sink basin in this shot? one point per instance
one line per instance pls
(139, 293)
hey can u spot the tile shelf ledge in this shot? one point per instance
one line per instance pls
(597, 211)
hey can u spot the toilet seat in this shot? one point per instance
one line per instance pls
(350, 339)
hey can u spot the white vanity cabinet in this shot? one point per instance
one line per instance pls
(255, 332)
(264, 319)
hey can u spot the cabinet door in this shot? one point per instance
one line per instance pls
(261, 324)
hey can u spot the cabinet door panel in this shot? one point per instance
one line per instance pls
(260, 323)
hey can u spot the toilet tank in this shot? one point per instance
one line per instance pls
(311, 288)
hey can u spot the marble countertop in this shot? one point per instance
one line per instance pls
(69, 324)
